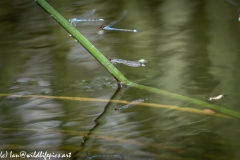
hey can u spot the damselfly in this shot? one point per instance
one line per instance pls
(133, 103)
(108, 27)
(128, 63)
(82, 18)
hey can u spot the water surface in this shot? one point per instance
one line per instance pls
(192, 48)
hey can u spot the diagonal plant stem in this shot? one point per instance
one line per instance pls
(190, 100)
(115, 72)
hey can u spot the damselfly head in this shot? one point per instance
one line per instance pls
(109, 58)
(102, 26)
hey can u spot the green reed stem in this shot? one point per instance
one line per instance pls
(115, 72)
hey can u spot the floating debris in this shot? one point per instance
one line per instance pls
(94, 84)
(217, 97)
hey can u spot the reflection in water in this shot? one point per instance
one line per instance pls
(100, 121)
(133, 103)
(126, 62)
(193, 47)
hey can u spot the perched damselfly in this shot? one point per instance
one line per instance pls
(82, 18)
(108, 27)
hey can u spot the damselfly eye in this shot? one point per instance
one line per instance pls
(109, 58)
